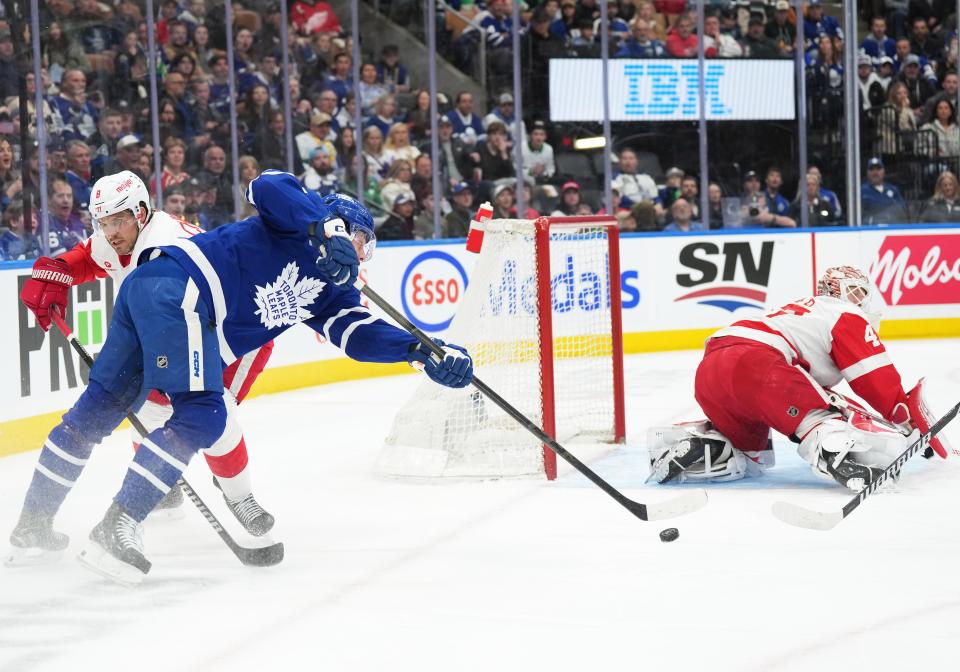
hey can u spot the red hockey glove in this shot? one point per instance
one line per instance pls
(49, 285)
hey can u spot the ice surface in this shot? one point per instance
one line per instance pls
(513, 575)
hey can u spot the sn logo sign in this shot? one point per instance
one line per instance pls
(709, 260)
(729, 277)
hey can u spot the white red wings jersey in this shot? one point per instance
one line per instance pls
(833, 341)
(95, 258)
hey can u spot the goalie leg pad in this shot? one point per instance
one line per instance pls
(850, 452)
(696, 452)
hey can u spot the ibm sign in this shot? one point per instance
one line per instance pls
(668, 89)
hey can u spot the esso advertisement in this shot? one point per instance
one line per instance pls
(432, 288)
(918, 270)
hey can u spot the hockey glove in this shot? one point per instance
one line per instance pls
(49, 285)
(336, 258)
(455, 370)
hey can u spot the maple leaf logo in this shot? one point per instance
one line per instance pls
(283, 302)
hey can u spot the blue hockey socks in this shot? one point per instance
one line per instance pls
(67, 449)
(198, 421)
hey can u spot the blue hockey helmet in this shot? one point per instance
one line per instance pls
(359, 221)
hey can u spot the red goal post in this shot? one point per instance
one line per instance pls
(541, 317)
(544, 226)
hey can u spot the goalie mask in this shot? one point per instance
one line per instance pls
(115, 193)
(849, 284)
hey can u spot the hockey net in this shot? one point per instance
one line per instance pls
(541, 319)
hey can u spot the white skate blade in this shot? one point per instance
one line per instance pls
(96, 558)
(30, 557)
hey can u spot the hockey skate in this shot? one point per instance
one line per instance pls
(849, 473)
(686, 453)
(34, 541)
(115, 549)
(249, 513)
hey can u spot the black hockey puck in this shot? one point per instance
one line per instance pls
(669, 534)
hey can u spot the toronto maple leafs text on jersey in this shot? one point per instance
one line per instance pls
(283, 302)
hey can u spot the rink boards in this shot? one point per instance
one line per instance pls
(676, 290)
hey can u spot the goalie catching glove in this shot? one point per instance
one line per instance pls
(49, 285)
(454, 370)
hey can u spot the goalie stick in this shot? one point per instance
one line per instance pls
(800, 516)
(265, 556)
(685, 503)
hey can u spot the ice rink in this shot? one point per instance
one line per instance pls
(515, 575)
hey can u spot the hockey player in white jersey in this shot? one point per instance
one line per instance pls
(776, 372)
(127, 224)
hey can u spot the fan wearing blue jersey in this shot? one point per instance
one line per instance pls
(197, 305)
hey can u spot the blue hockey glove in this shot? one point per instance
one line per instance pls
(456, 369)
(336, 256)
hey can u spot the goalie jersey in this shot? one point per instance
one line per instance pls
(259, 278)
(832, 340)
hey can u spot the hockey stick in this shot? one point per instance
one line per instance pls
(799, 516)
(685, 503)
(265, 556)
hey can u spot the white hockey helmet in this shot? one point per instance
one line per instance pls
(115, 193)
(847, 284)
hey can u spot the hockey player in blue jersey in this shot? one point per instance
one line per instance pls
(185, 312)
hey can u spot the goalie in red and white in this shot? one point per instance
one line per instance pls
(776, 372)
(126, 224)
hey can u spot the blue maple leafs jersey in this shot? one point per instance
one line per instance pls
(259, 277)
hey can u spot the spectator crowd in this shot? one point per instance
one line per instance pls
(98, 116)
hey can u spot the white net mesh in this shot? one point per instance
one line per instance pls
(458, 433)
